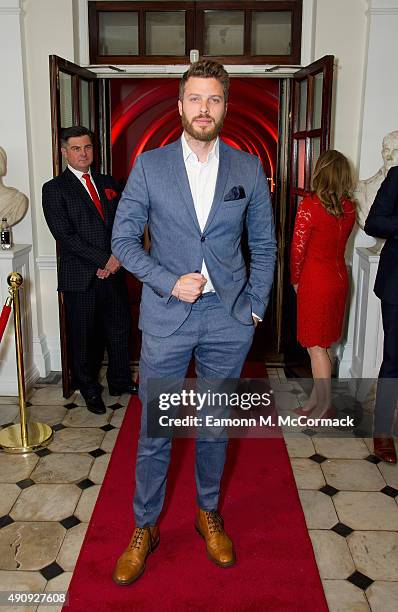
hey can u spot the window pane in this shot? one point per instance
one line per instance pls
(223, 32)
(302, 110)
(85, 103)
(315, 152)
(65, 99)
(118, 33)
(271, 33)
(317, 112)
(165, 33)
(300, 168)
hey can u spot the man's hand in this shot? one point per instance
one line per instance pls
(189, 287)
(256, 320)
(295, 287)
(103, 273)
(112, 265)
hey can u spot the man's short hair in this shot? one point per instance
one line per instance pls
(75, 132)
(206, 69)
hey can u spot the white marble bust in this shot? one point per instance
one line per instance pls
(366, 190)
(13, 203)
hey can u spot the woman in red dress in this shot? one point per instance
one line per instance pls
(323, 224)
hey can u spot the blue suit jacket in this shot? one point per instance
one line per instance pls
(158, 193)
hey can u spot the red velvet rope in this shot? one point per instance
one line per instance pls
(5, 313)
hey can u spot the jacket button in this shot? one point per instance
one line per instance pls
(202, 239)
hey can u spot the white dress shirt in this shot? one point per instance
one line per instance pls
(79, 175)
(202, 178)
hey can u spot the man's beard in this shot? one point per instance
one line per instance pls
(205, 135)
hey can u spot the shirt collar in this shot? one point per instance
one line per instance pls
(78, 173)
(188, 153)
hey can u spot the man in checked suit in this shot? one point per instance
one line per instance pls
(196, 195)
(79, 207)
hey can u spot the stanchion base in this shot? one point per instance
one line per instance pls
(39, 435)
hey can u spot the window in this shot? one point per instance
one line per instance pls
(245, 32)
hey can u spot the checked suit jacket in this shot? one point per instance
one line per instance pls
(158, 193)
(83, 237)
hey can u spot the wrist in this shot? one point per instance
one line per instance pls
(178, 288)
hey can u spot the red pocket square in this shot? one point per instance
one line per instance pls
(111, 193)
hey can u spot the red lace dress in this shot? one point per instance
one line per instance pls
(317, 265)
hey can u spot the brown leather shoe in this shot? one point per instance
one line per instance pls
(131, 564)
(384, 449)
(218, 545)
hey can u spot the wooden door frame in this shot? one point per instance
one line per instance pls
(324, 65)
(283, 176)
(57, 65)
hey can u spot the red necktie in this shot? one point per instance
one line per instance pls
(93, 194)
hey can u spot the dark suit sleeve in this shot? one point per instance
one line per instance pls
(63, 231)
(382, 221)
(108, 182)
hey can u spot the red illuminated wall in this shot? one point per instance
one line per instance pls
(145, 116)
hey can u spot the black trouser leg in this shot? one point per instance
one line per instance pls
(81, 314)
(387, 386)
(116, 323)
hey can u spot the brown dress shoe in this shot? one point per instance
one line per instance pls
(131, 564)
(384, 449)
(218, 545)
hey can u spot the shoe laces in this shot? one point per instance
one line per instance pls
(214, 521)
(138, 537)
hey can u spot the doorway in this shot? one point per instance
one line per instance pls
(285, 120)
(144, 116)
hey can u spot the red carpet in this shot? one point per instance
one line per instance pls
(275, 567)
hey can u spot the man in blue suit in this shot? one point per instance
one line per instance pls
(196, 195)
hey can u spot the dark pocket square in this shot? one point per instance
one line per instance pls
(236, 193)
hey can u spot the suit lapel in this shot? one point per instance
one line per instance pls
(222, 176)
(77, 186)
(182, 181)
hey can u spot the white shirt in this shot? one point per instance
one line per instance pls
(79, 175)
(202, 178)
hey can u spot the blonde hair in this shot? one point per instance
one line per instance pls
(332, 181)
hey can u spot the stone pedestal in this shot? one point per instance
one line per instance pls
(16, 260)
(368, 329)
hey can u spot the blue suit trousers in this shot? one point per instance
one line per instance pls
(219, 344)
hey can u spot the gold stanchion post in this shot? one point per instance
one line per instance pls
(22, 437)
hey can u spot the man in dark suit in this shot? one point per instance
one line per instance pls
(382, 222)
(79, 207)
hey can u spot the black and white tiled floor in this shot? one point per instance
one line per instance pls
(350, 502)
(349, 498)
(47, 497)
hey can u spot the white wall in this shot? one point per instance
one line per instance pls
(47, 30)
(13, 137)
(12, 107)
(341, 30)
(381, 88)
